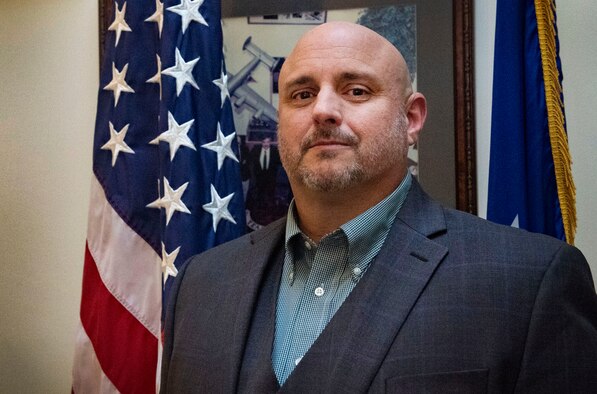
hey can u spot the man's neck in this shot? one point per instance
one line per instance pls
(319, 213)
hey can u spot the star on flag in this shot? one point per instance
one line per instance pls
(118, 83)
(189, 12)
(168, 259)
(176, 135)
(182, 71)
(172, 200)
(218, 208)
(157, 78)
(116, 142)
(119, 25)
(222, 83)
(158, 16)
(222, 146)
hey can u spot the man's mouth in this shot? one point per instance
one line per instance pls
(328, 143)
(328, 140)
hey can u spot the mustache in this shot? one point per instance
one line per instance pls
(327, 134)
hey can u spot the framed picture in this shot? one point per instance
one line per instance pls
(444, 74)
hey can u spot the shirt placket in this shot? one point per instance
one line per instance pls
(329, 261)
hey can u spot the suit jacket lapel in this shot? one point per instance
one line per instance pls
(365, 326)
(264, 245)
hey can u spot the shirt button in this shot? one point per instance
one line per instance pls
(297, 361)
(357, 271)
(307, 245)
(319, 291)
(291, 276)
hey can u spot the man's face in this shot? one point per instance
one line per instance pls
(341, 117)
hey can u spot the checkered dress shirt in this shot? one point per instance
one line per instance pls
(317, 278)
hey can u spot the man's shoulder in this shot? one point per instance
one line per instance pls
(466, 222)
(492, 239)
(454, 227)
(235, 252)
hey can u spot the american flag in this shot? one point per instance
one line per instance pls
(166, 183)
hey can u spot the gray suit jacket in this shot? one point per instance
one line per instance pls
(452, 303)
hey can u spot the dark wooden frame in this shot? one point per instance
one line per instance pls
(464, 107)
(464, 121)
(106, 17)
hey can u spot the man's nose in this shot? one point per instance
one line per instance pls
(327, 108)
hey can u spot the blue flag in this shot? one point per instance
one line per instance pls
(530, 184)
(166, 182)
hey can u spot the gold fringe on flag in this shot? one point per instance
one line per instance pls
(545, 10)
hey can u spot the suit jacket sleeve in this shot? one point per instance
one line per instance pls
(561, 348)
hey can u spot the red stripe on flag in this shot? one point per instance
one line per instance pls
(126, 350)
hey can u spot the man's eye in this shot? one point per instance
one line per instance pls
(302, 95)
(358, 92)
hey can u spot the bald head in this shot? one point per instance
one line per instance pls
(336, 40)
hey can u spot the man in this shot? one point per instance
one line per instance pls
(368, 285)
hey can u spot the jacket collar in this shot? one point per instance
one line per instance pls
(265, 244)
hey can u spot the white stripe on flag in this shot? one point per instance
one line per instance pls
(128, 266)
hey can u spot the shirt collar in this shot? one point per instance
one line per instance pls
(367, 232)
(292, 227)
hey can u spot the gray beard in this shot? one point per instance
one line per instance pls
(331, 181)
(354, 173)
(336, 180)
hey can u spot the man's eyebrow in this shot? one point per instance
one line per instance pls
(298, 81)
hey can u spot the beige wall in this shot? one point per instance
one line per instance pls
(48, 85)
(577, 28)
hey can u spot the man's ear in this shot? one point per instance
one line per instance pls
(416, 113)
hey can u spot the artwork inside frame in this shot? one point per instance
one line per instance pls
(444, 74)
(292, 18)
